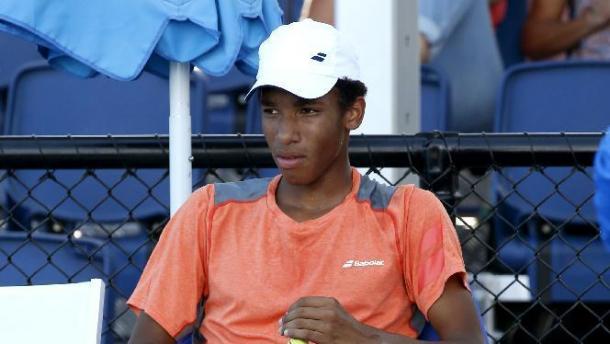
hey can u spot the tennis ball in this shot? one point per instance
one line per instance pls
(296, 341)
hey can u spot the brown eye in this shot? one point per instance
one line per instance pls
(309, 111)
(268, 111)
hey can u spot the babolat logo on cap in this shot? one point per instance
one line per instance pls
(320, 57)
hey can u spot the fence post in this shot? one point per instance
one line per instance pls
(439, 175)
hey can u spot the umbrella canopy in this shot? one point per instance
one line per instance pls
(120, 38)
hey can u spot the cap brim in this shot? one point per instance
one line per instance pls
(308, 86)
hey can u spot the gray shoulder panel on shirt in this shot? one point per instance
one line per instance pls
(378, 194)
(244, 191)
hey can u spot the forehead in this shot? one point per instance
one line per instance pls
(276, 95)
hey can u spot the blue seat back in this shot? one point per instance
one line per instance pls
(14, 54)
(552, 97)
(115, 205)
(435, 99)
(47, 102)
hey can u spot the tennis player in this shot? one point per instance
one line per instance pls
(319, 253)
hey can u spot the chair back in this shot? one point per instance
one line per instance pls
(554, 97)
(14, 53)
(56, 313)
(435, 99)
(63, 267)
(546, 215)
(43, 101)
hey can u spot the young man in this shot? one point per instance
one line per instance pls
(320, 252)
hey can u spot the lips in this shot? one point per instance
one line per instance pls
(289, 161)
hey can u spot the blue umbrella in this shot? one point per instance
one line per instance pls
(121, 38)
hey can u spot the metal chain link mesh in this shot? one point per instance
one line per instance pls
(531, 244)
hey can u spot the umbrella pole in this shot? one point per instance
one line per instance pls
(180, 173)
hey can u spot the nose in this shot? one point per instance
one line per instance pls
(288, 131)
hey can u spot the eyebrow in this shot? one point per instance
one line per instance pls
(299, 102)
(307, 102)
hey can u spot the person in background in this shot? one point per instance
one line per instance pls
(578, 29)
(457, 37)
(498, 9)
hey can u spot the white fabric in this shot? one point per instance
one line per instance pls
(55, 313)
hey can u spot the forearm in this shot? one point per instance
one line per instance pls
(542, 39)
(148, 331)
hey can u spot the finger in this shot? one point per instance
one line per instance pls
(313, 301)
(307, 313)
(306, 324)
(306, 335)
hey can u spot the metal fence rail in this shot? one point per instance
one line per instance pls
(76, 207)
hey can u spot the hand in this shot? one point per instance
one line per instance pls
(323, 320)
(597, 14)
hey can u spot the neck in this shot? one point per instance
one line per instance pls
(303, 202)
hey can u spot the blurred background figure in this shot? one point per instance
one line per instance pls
(457, 37)
(578, 29)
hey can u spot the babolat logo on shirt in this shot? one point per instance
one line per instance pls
(351, 263)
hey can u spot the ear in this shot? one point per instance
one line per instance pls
(355, 114)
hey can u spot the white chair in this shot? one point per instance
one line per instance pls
(55, 313)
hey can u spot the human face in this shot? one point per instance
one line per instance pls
(307, 137)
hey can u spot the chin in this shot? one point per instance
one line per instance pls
(297, 177)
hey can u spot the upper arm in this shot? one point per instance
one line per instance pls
(544, 10)
(174, 280)
(432, 251)
(147, 330)
(456, 298)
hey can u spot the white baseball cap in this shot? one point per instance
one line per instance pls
(305, 58)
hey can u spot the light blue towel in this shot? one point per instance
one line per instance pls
(602, 188)
(120, 38)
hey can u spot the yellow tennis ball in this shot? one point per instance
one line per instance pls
(296, 341)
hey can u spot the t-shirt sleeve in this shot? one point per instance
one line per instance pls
(174, 279)
(432, 252)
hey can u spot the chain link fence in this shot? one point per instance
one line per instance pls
(74, 208)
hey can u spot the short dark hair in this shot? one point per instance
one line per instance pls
(349, 90)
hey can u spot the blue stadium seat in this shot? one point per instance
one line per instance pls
(14, 53)
(552, 97)
(223, 112)
(116, 206)
(435, 99)
(54, 259)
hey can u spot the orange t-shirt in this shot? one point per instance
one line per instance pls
(384, 253)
